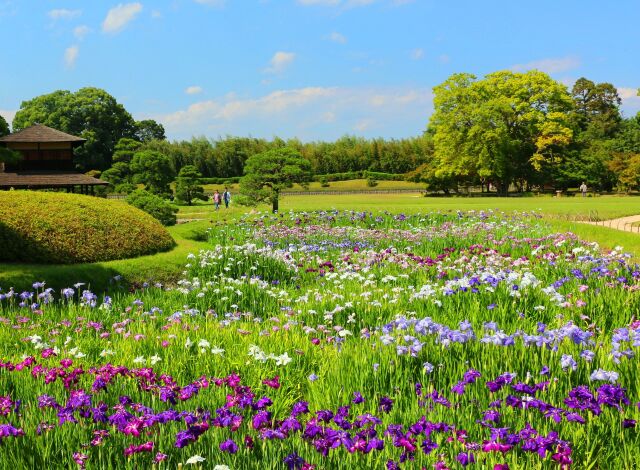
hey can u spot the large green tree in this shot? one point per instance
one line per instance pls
(154, 170)
(597, 108)
(148, 130)
(597, 120)
(268, 173)
(90, 113)
(4, 127)
(503, 128)
(188, 185)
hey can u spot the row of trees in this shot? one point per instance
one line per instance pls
(226, 157)
(507, 130)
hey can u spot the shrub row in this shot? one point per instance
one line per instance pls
(43, 227)
(354, 175)
(231, 180)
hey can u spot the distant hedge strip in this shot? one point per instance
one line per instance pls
(230, 180)
(46, 227)
(354, 175)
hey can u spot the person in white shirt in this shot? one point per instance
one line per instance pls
(583, 189)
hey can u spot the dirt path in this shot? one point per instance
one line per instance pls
(623, 223)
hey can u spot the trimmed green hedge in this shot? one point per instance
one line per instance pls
(47, 227)
(230, 180)
(356, 175)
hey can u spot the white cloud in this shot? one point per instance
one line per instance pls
(193, 90)
(444, 58)
(628, 93)
(81, 31)
(319, 2)
(551, 65)
(630, 98)
(119, 16)
(377, 100)
(280, 61)
(156, 14)
(71, 55)
(328, 116)
(334, 3)
(337, 37)
(214, 3)
(311, 113)
(359, 3)
(64, 14)
(363, 125)
(8, 115)
(417, 54)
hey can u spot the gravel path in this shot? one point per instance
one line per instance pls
(623, 223)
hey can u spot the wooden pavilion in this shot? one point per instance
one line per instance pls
(47, 161)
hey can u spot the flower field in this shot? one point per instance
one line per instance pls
(337, 340)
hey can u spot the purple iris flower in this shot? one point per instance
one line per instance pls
(229, 446)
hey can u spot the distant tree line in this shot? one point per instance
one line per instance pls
(506, 131)
(226, 157)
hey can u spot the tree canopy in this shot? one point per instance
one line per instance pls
(4, 127)
(90, 113)
(154, 170)
(188, 186)
(268, 173)
(503, 128)
(148, 130)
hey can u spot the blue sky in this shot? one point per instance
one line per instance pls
(313, 69)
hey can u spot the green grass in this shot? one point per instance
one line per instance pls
(571, 208)
(603, 207)
(288, 306)
(607, 238)
(167, 266)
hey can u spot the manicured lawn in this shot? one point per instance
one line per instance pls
(568, 208)
(604, 207)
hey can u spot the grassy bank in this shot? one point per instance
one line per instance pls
(160, 267)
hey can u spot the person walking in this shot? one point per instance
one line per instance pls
(583, 189)
(216, 199)
(226, 197)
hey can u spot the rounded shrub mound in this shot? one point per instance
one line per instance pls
(42, 227)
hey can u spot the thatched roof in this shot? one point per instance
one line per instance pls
(40, 133)
(46, 180)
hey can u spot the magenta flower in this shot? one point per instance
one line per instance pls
(273, 383)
